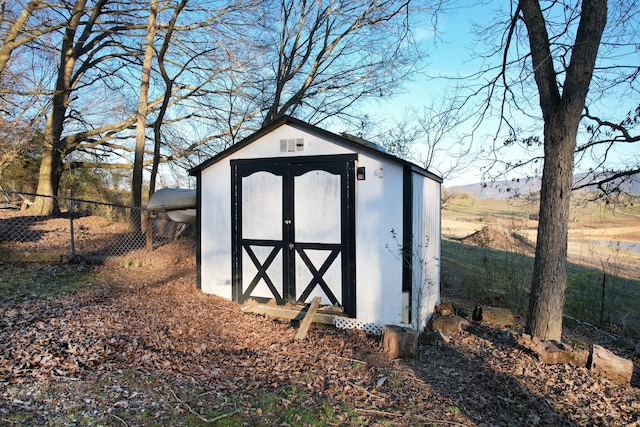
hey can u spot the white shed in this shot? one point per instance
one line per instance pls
(294, 211)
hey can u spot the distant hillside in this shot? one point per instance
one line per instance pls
(498, 189)
(509, 188)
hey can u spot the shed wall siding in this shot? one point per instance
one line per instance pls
(378, 240)
(426, 248)
(269, 145)
(215, 230)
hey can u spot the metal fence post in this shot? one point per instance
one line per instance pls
(73, 243)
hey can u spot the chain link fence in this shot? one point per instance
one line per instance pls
(607, 296)
(84, 230)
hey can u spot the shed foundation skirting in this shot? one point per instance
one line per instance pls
(348, 323)
(299, 313)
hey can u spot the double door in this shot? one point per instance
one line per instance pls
(293, 224)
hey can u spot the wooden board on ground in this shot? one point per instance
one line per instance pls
(289, 313)
(308, 318)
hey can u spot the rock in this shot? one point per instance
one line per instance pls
(437, 338)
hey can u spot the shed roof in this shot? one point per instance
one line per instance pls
(359, 144)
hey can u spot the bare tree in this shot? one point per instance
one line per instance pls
(304, 58)
(20, 25)
(168, 89)
(141, 122)
(568, 57)
(88, 43)
(321, 58)
(431, 137)
(219, 71)
(562, 108)
(199, 64)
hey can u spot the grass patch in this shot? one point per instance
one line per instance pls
(487, 276)
(504, 208)
(18, 283)
(603, 298)
(146, 398)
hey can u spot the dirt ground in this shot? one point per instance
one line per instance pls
(143, 346)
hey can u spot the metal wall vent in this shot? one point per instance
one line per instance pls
(291, 145)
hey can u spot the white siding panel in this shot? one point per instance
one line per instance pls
(269, 145)
(215, 230)
(426, 248)
(378, 240)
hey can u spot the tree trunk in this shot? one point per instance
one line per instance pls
(562, 107)
(48, 183)
(138, 164)
(168, 83)
(51, 164)
(546, 303)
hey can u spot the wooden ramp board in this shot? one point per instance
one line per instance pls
(308, 318)
(297, 313)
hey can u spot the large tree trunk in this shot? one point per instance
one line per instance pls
(48, 183)
(548, 285)
(51, 164)
(143, 106)
(562, 107)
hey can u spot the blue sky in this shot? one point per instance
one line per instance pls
(451, 56)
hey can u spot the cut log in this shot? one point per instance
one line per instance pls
(306, 322)
(494, 316)
(449, 324)
(562, 353)
(399, 342)
(554, 352)
(616, 368)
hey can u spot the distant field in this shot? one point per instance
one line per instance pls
(495, 264)
(596, 231)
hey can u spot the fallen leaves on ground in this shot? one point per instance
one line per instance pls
(145, 347)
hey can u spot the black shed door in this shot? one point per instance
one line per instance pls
(293, 233)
